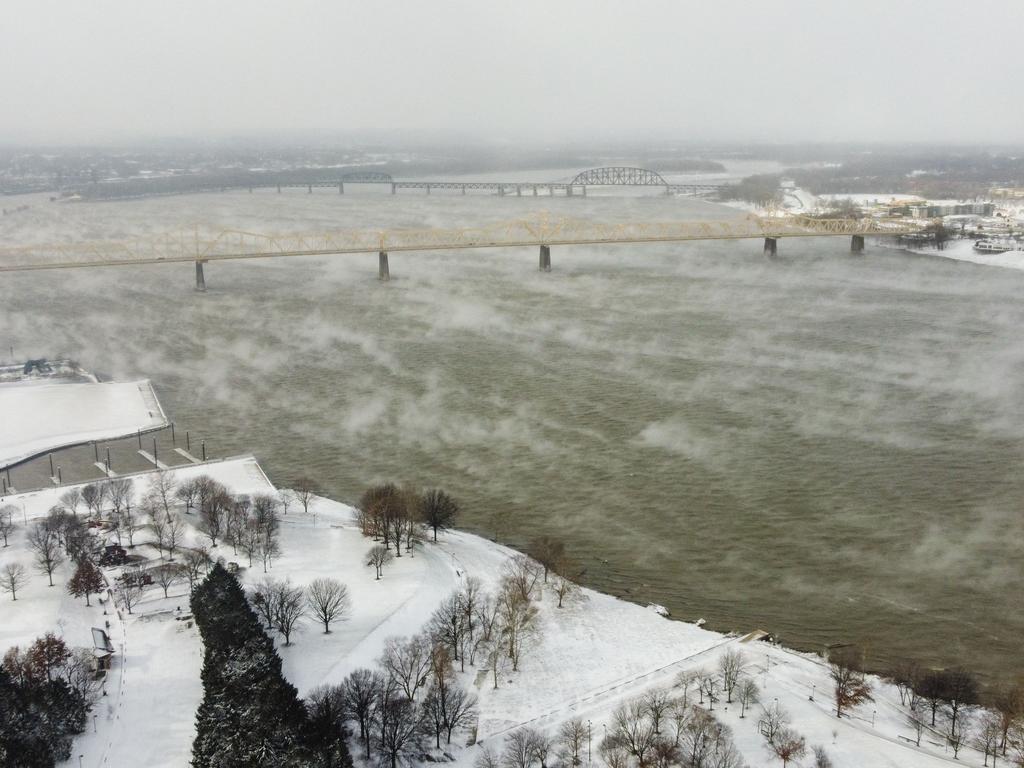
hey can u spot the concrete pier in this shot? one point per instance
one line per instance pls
(383, 273)
(394, 188)
(545, 258)
(771, 246)
(341, 187)
(200, 277)
(857, 244)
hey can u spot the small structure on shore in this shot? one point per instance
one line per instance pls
(102, 650)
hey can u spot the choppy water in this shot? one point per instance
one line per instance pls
(825, 446)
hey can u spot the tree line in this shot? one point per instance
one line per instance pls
(46, 691)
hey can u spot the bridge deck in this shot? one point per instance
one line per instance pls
(232, 244)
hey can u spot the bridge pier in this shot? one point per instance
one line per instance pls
(200, 278)
(383, 273)
(428, 189)
(545, 258)
(568, 191)
(279, 189)
(501, 190)
(311, 189)
(394, 187)
(519, 191)
(857, 244)
(771, 246)
(463, 189)
(534, 190)
(551, 191)
(584, 190)
(341, 187)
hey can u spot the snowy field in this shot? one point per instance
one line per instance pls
(588, 657)
(963, 250)
(39, 416)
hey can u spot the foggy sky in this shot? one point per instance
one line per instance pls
(537, 70)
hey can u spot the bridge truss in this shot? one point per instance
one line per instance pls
(620, 176)
(197, 246)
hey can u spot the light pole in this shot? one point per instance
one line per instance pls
(811, 697)
(588, 742)
(80, 761)
(873, 713)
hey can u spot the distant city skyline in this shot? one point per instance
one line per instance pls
(523, 72)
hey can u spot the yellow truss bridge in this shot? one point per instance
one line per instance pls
(542, 231)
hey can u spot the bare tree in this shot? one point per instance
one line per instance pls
(86, 580)
(399, 725)
(847, 673)
(167, 575)
(932, 687)
(961, 691)
(93, 495)
(730, 666)
(517, 622)
(487, 759)
(285, 499)
(195, 561)
(328, 601)
(162, 485)
(289, 608)
(917, 716)
(305, 490)
(13, 577)
(158, 525)
(772, 721)
(46, 548)
(519, 749)
(359, 694)
(408, 661)
(119, 491)
(565, 590)
(188, 494)
(448, 626)
(521, 575)
(71, 498)
(129, 592)
(789, 745)
(325, 708)
(748, 694)
(633, 729)
(1009, 703)
(571, 736)
(549, 552)
(987, 736)
(378, 557)
(963, 735)
(684, 681)
(263, 597)
(705, 742)
(438, 510)
(821, 758)
(6, 522)
(905, 674)
(710, 686)
(658, 703)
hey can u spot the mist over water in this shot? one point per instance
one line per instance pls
(824, 446)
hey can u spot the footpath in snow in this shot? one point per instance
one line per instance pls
(41, 416)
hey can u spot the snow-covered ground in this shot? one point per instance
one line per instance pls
(589, 656)
(38, 416)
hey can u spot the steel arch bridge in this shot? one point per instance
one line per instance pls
(620, 175)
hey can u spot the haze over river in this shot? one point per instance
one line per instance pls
(825, 446)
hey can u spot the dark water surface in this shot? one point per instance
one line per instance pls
(824, 446)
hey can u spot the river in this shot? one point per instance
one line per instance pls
(823, 445)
